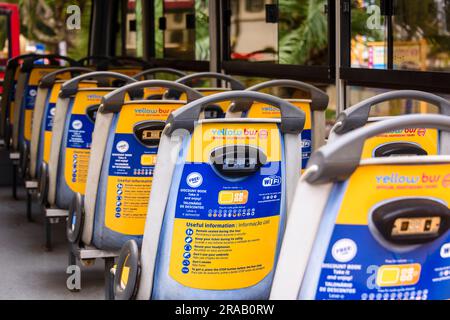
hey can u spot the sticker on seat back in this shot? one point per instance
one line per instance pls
(360, 263)
(409, 141)
(31, 90)
(49, 115)
(225, 231)
(79, 137)
(131, 165)
(261, 110)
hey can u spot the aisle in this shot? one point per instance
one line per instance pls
(27, 271)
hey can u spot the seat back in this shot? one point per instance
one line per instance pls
(218, 204)
(408, 141)
(72, 135)
(26, 91)
(313, 134)
(129, 66)
(124, 151)
(44, 111)
(388, 242)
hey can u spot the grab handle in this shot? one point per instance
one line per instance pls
(87, 60)
(49, 80)
(113, 101)
(339, 159)
(71, 87)
(358, 115)
(104, 61)
(28, 63)
(319, 99)
(292, 118)
(187, 80)
(151, 72)
(130, 61)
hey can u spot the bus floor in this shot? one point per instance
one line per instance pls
(27, 271)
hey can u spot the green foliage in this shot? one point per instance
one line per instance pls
(303, 31)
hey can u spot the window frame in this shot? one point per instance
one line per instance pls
(320, 74)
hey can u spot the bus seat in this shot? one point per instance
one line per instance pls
(369, 229)
(44, 110)
(408, 141)
(194, 80)
(25, 96)
(151, 74)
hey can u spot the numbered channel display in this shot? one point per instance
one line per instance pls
(225, 210)
(29, 98)
(378, 252)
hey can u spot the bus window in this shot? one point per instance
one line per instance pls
(78, 46)
(182, 29)
(133, 28)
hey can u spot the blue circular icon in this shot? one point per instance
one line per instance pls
(187, 247)
(120, 186)
(118, 209)
(119, 191)
(189, 232)
(118, 203)
(118, 215)
(186, 263)
(187, 255)
(185, 270)
(188, 240)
